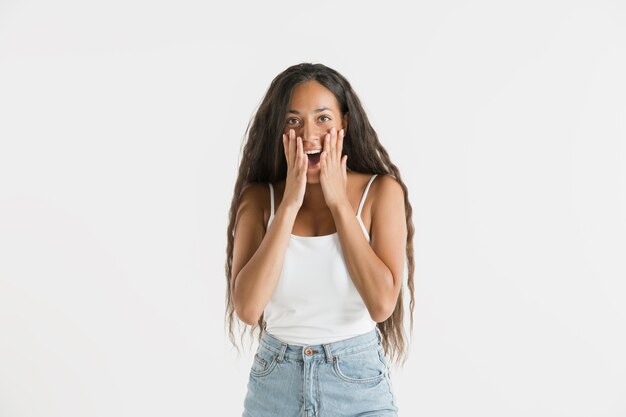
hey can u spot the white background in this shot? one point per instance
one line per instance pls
(121, 124)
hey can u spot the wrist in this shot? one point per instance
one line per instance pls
(287, 211)
(343, 208)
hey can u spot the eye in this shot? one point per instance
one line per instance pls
(324, 117)
(292, 121)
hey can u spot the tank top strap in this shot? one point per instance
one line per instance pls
(367, 188)
(358, 214)
(271, 204)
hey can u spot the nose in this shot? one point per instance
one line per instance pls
(310, 133)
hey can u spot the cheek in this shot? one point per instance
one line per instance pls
(295, 128)
(337, 127)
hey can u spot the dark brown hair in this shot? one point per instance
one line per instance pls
(263, 161)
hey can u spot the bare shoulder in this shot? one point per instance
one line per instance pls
(357, 181)
(387, 190)
(389, 224)
(387, 202)
(249, 228)
(255, 192)
(255, 201)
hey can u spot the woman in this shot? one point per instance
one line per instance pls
(320, 225)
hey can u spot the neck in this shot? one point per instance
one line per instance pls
(314, 197)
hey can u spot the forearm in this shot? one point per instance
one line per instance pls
(257, 280)
(371, 277)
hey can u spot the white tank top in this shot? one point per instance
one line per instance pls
(315, 300)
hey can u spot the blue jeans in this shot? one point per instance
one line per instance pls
(347, 378)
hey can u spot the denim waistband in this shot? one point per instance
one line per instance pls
(316, 352)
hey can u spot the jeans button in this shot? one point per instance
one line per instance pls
(308, 351)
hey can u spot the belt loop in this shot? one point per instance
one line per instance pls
(281, 355)
(380, 335)
(329, 356)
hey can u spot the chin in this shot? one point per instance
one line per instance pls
(313, 178)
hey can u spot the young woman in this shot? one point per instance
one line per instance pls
(320, 228)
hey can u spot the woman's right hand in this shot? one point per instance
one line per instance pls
(297, 165)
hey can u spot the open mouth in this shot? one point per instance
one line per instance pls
(314, 157)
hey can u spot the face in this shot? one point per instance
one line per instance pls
(313, 110)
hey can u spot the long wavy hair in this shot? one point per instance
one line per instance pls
(263, 161)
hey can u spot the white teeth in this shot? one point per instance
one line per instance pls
(314, 151)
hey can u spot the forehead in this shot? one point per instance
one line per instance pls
(311, 95)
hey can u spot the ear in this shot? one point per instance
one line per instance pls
(345, 122)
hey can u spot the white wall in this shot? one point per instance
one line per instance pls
(120, 128)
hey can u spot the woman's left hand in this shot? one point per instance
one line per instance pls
(333, 176)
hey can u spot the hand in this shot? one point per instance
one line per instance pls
(333, 176)
(297, 165)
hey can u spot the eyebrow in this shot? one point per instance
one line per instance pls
(316, 110)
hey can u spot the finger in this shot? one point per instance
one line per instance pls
(340, 142)
(327, 150)
(333, 141)
(326, 145)
(305, 162)
(323, 160)
(299, 152)
(292, 146)
(285, 147)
